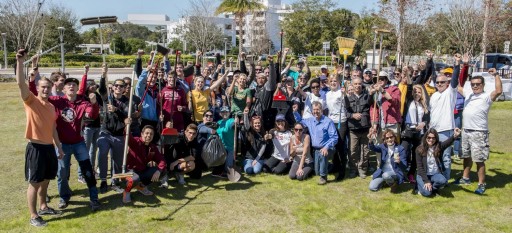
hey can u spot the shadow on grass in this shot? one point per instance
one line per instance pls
(210, 184)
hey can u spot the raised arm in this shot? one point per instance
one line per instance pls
(83, 84)
(497, 84)
(456, 71)
(20, 75)
(272, 79)
(138, 63)
(219, 81)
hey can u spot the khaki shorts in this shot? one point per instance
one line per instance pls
(475, 144)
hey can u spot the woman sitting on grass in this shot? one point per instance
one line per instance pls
(300, 152)
(254, 144)
(393, 161)
(280, 161)
(430, 178)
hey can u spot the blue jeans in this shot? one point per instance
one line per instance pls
(250, 169)
(230, 160)
(458, 123)
(114, 144)
(447, 160)
(90, 136)
(322, 162)
(389, 177)
(79, 150)
(438, 181)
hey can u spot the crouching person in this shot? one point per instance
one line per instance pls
(393, 162)
(182, 155)
(146, 162)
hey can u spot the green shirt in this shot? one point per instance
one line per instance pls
(240, 100)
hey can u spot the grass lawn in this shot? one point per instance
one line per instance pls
(263, 203)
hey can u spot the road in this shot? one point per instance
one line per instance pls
(94, 73)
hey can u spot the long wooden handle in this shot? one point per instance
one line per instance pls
(127, 136)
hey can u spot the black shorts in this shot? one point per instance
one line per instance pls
(40, 163)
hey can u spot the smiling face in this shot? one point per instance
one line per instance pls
(190, 134)
(199, 83)
(44, 89)
(256, 124)
(208, 117)
(317, 111)
(298, 129)
(261, 79)
(333, 83)
(179, 70)
(477, 85)
(357, 85)
(431, 139)
(70, 88)
(390, 139)
(119, 87)
(147, 135)
(442, 83)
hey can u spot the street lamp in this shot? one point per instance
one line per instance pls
(61, 35)
(225, 49)
(163, 31)
(4, 36)
(374, 29)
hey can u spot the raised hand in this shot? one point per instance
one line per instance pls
(492, 71)
(465, 58)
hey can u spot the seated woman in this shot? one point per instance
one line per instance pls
(430, 177)
(145, 160)
(299, 150)
(254, 146)
(393, 162)
(182, 155)
(279, 162)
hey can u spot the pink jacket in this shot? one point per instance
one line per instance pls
(391, 108)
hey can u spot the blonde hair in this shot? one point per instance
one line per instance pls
(423, 98)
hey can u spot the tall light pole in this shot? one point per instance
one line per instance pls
(225, 49)
(61, 35)
(4, 36)
(374, 30)
(163, 31)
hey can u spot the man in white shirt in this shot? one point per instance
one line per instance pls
(475, 135)
(442, 104)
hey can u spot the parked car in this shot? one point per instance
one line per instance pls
(87, 54)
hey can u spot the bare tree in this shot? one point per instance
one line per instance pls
(258, 35)
(16, 18)
(200, 28)
(465, 20)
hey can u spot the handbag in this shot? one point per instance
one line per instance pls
(408, 132)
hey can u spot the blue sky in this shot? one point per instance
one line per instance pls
(172, 8)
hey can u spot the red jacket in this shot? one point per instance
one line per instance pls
(172, 97)
(70, 116)
(140, 155)
(391, 108)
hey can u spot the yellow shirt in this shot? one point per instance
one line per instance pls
(200, 102)
(430, 90)
(403, 92)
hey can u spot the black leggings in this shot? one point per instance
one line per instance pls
(410, 145)
(276, 166)
(340, 158)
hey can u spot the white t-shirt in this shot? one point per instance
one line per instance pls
(441, 109)
(432, 168)
(308, 107)
(335, 101)
(476, 111)
(281, 142)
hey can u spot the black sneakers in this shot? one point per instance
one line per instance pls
(38, 222)
(49, 211)
(95, 205)
(103, 187)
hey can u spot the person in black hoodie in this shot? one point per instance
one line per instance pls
(358, 115)
(262, 97)
(112, 130)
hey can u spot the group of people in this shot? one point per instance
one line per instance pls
(276, 118)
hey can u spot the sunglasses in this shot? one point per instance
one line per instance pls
(257, 69)
(208, 115)
(315, 87)
(476, 84)
(392, 137)
(441, 82)
(298, 130)
(431, 138)
(119, 85)
(382, 79)
(374, 75)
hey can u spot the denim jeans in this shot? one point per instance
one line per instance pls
(230, 160)
(447, 160)
(389, 177)
(322, 162)
(458, 123)
(114, 144)
(250, 169)
(438, 181)
(79, 150)
(91, 136)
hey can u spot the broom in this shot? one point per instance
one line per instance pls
(170, 135)
(346, 47)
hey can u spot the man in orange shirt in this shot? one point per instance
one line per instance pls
(40, 158)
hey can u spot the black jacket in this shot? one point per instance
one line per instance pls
(361, 105)
(421, 160)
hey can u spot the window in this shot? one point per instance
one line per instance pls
(228, 26)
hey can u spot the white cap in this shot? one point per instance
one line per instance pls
(323, 67)
(383, 74)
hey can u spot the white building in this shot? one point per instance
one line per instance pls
(151, 21)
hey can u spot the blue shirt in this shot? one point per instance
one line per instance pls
(323, 132)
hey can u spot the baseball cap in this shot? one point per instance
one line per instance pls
(383, 74)
(280, 117)
(367, 71)
(67, 80)
(224, 109)
(323, 67)
(448, 70)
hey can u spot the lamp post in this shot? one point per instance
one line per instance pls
(4, 36)
(61, 35)
(374, 29)
(163, 31)
(225, 49)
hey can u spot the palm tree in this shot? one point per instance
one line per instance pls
(240, 8)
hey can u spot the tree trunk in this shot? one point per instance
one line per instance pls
(483, 64)
(401, 19)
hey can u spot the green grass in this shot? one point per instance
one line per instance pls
(263, 203)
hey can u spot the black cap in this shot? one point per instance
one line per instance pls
(71, 80)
